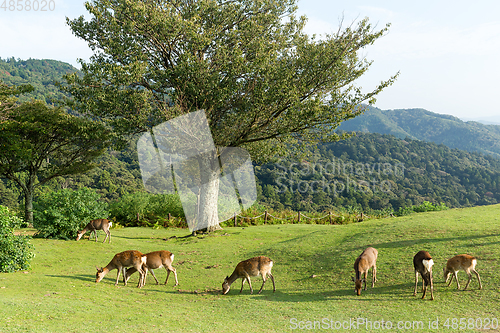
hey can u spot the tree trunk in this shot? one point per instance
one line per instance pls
(207, 215)
(28, 202)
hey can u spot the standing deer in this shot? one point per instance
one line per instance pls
(464, 262)
(93, 226)
(154, 260)
(249, 268)
(362, 265)
(423, 263)
(120, 262)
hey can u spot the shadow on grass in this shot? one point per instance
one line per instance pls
(407, 243)
(81, 277)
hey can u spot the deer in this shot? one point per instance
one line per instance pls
(249, 268)
(422, 262)
(154, 260)
(120, 262)
(464, 262)
(366, 260)
(93, 226)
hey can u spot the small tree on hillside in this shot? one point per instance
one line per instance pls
(39, 143)
(263, 83)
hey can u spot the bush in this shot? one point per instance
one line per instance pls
(15, 251)
(61, 214)
(426, 206)
(152, 209)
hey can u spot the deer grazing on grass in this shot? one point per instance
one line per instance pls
(464, 262)
(423, 263)
(362, 265)
(120, 262)
(154, 260)
(249, 268)
(93, 226)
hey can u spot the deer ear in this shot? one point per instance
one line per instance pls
(353, 279)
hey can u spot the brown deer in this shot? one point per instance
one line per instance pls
(154, 260)
(422, 262)
(93, 226)
(464, 262)
(249, 268)
(120, 262)
(362, 265)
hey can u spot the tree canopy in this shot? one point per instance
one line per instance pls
(39, 143)
(261, 80)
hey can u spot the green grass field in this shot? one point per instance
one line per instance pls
(59, 293)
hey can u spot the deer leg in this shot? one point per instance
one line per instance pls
(153, 273)
(432, 285)
(250, 284)
(416, 282)
(175, 276)
(469, 274)
(374, 276)
(107, 234)
(242, 283)
(364, 279)
(272, 279)
(263, 282)
(478, 278)
(456, 278)
(118, 277)
(451, 280)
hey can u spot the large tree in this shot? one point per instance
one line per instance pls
(264, 84)
(39, 143)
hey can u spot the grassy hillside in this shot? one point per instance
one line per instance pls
(59, 293)
(429, 126)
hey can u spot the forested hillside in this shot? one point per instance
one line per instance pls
(369, 171)
(428, 126)
(41, 74)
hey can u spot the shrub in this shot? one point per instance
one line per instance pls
(61, 214)
(152, 209)
(15, 251)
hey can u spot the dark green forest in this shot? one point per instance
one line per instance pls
(41, 74)
(366, 172)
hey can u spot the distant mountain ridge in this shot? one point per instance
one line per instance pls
(420, 124)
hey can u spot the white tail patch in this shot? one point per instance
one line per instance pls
(428, 264)
(110, 224)
(171, 257)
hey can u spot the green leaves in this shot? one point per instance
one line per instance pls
(15, 251)
(261, 80)
(61, 214)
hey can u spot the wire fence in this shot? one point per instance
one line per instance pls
(330, 217)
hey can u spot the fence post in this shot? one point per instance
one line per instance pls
(298, 217)
(330, 217)
(265, 217)
(235, 220)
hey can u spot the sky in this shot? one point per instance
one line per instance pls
(445, 50)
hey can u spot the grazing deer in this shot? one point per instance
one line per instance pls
(362, 265)
(423, 263)
(249, 268)
(93, 226)
(120, 262)
(463, 262)
(154, 260)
